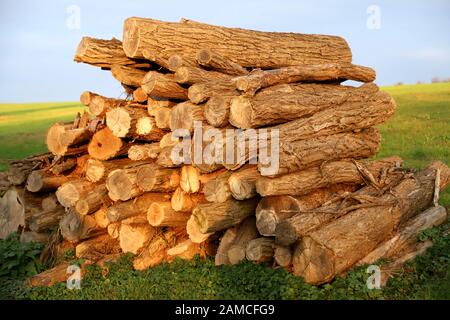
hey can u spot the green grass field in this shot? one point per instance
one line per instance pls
(418, 132)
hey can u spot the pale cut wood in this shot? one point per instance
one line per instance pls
(122, 183)
(191, 75)
(98, 105)
(61, 137)
(63, 166)
(243, 182)
(183, 116)
(168, 140)
(101, 217)
(96, 248)
(97, 171)
(218, 188)
(75, 227)
(105, 145)
(147, 151)
(211, 59)
(212, 217)
(156, 58)
(92, 201)
(133, 237)
(128, 76)
(193, 230)
(163, 85)
(114, 229)
(260, 249)
(246, 232)
(156, 102)
(123, 210)
(161, 214)
(104, 53)
(283, 256)
(151, 177)
(161, 114)
(201, 92)
(177, 61)
(251, 83)
(184, 250)
(70, 192)
(139, 95)
(247, 48)
(12, 213)
(335, 247)
(217, 110)
(43, 181)
(221, 257)
(155, 251)
(190, 179)
(183, 201)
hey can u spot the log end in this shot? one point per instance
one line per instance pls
(266, 222)
(240, 112)
(34, 182)
(53, 140)
(104, 145)
(119, 185)
(95, 170)
(119, 121)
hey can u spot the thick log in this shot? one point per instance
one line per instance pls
(133, 237)
(247, 48)
(327, 173)
(97, 171)
(246, 232)
(92, 201)
(151, 177)
(75, 227)
(190, 179)
(201, 92)
(61, 137)
(156, 84)
(98, 105)
(44, 181)
(218, 188)
(217, 110)
(139, 95)
(192, 75)
(227, 240)
(96, 248)
(156, 58)
(147, 151)
(185, 202)
(169, 140)
(168, 158)
(337, 246)
(122, 210)
(406, 237)
(251, 83)
(211, 59)
(161, 214)
(177, 61)
(212, 217)
(50, 202)
(105, 145)
(283, 256)
(260, 249)
(128, 76)
(184, 114)
(272, 210)
(45, 220)
(52, 276)
(184, 250)
(193, 230)
(101, 217)
(243, 183)
(63, 166)
(284, 103)
(155, 251)
(122, 183)
(161, 114)
(70, 192)
(12, 213)
(104, 53)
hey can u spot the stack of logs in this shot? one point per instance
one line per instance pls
(113, 182)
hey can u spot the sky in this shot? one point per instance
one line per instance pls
(404, 41)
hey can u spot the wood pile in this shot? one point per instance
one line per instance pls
(111, 183)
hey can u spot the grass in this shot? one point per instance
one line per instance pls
(419, 132)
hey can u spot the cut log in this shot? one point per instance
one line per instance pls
(70, 192)
(50, 202)
(133, 237)
(98, 105)
(128, 76)
(104, 53)
(97, 171)
(122, 210)
(212, 217)
(217, 110)
(96, 248)
(61, 137)
(155, 251)
(151, 177)
(156, 58)
(201, 92)
(192, 75)
(101, 217)
(184, 250)
(246, 232)
(92, 201)
(184, 114)
(260, 250)
(247, 48)
(190, 179)
(114, 229)
(218, 188)
(211, 59)
(161, 114)
(283, 256)
(167, 158)
(243, 183)
(52, 276)
(45, 220)
(274, 209)
(161, 214)
(105, 145)
(156, 84)
(183, 201)
(44, 181)
(168, 140)
(193, 230)
(64, 166)
(75, 227)
(328, 173)
(284, 103)
(227, 240)
(303, 73)
(335, 247)
(122, 184)
(177, 61)
(157, 102)
(144, 151)
(12, 213)
(406, 237)
(139, 95)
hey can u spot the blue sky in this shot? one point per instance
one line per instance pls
(36, 58)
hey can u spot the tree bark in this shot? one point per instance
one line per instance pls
(128, 76)
(155, 251)
(70, 192)
(92, 201)
(184, 250)
(182, 38)
(44, 181)
(184, 114)
(156, 58)
(161, 214)
(340, 244)
(192, 75)
(246, 232)
(105, 145)
(50, 202)
(285, 103)
(98, 171)
(177, 61)
(185, 202)
(96, 248)
(243, 182)
(193, 230)
(283, 256)
(251, 83)
(98, 105)
(149, 151)
(217, 110)
(133, 237)
(227, 240)
(211, 59)
(260, 249)
(75, 227)
(122, 183)
(152, 177)
(212, 217)
(12, 213)
(156, 84)
(201, 92)
(45, 220)
(61, 137)
(139, 95)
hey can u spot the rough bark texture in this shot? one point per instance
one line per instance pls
(60, 137)
(128, 76)
(161, 214)
(144, 151)
(98, 105)
(246, 232)
(44, 181)
(70, 192)
(201, 92)
(187, 37)
(217, 110)
(45, 220)
(156, 84)
(184, 114)
(92, 201)
(212, 217)
(12, 213)
(75, 227)
(153, 178)
(156, 58)
(185, 202)
(260, 249)
(251, 83)
(155, 251)
(211, 59)
(96, 248)
(221, 257)
(177, 61)
(133, 237)
(192, 75)
(243, 183)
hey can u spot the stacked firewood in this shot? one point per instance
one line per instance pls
(115, 179)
